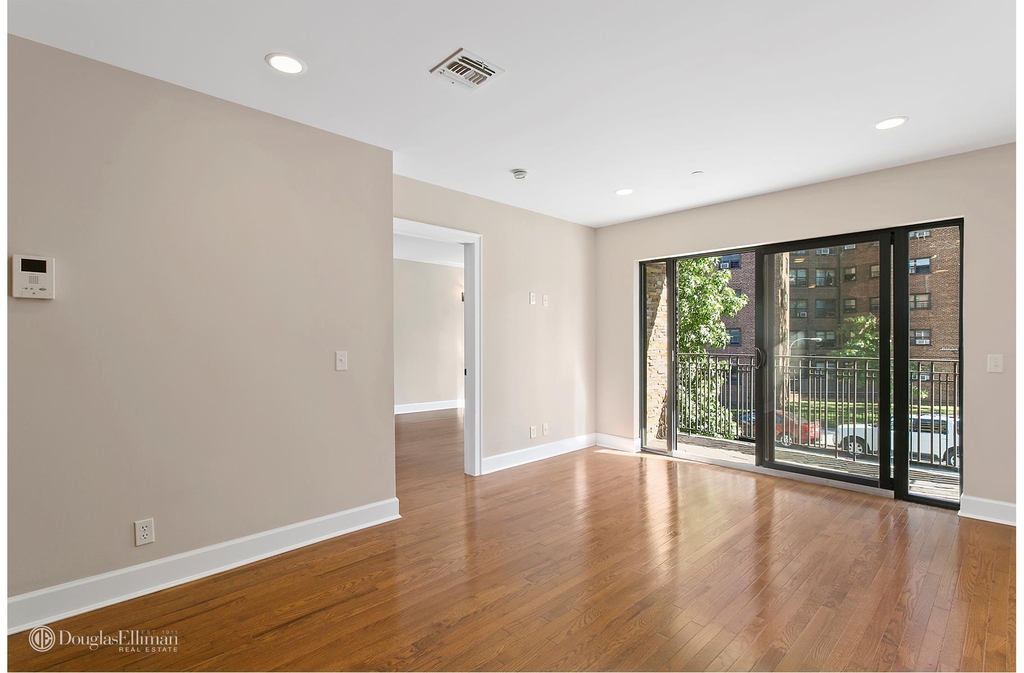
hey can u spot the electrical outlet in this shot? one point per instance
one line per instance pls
(145, 532)
(544, 429)
(533, 299)
(995, 364)
(533, 432)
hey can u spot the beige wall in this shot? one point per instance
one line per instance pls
(429, 333)
(538, 363)
(210, 260)
(978, 186)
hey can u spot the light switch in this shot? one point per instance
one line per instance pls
(341, 361)
(995, 364)
(544, 300)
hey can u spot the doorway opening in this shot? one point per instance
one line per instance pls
(446, 295)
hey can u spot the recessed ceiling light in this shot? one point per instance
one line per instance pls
(891, 123)
(623, 192)
(285, 63)
(697, 173)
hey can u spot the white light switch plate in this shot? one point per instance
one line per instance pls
(544, 300)
(341, 361)
(533, 299)
(995, 364)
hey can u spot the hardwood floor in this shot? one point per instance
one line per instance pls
(594, 560)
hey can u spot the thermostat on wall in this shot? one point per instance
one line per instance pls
(33, 277)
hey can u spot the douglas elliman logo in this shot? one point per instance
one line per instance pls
(43, 638)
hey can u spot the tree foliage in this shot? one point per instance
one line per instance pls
(704, 298)
(859, 337)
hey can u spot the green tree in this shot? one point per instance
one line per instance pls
(859, 337)
(704, 298)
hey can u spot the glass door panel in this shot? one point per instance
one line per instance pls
(657, 398)
(824, 380)
(934, 449)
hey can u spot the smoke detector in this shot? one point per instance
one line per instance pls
(519, 174)
(466, 69)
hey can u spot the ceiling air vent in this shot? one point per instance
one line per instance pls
(466, 69)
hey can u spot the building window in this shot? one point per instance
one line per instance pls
(874, 304)
(735, 336)
(798, 308)
(738, 291)
(920, 301)
(729, 262)
(920, 337)
(798, 277)
(923, 233)
(825, 251)
(849, 306)
(824, 308)
(921, 265)
(850, 273)
(876, 270)
(827, 338)
(825, 277)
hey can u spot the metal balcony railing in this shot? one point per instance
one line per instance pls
(824, 404)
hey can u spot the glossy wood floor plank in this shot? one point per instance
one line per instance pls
(595, 560)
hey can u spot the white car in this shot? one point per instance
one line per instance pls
(934, 439)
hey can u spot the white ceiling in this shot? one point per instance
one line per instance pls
(597, 95)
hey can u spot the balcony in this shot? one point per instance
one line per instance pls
(826, 414)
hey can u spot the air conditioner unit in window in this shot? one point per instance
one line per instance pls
(723, 265)
(801, 314)
(922, 342)
(824, 251)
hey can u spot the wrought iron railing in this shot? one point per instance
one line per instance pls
(824, 404)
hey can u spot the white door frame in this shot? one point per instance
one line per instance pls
(472, 277)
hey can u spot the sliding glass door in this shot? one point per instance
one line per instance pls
(836, 357)
(928, 401)
(826, 389)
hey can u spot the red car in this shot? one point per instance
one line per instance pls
(791, 430)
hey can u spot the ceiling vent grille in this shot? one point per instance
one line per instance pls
(466, 69)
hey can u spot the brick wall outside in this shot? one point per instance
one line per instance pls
(656, 336)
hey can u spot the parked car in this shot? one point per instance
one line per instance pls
(789, 429)
(933, 439)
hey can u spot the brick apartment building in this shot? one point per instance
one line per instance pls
(829, 285)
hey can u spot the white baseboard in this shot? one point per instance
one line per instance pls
(416, 407)
(503, 461)
(995, 511)
(65, 600)
(619, 443)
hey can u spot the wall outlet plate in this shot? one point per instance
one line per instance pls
(533, 299)
(145, 532)
(533, 432)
